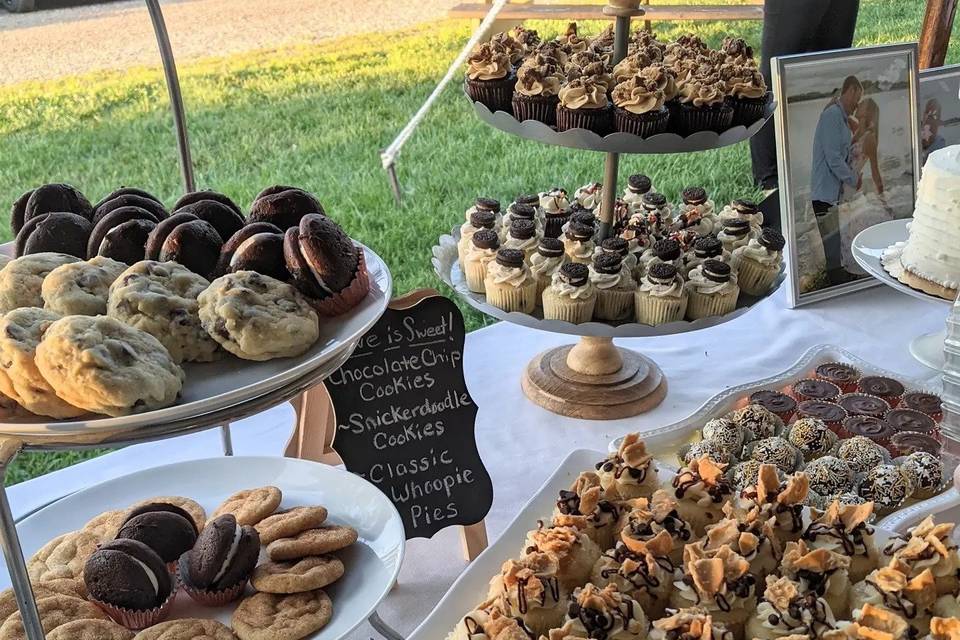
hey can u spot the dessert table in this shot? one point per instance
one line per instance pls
(522, 443)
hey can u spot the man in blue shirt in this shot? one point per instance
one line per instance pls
(831, 171)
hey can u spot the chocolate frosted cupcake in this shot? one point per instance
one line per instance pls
(556, 211)
(830, 412)
(876, 429)
(712, 290)
(882, 387)
(490, 78)
(748, 95)
(571, 296)
(776, 402)
(862, 404)
(661, 297)
(545, 263)
(702, 107)
(638, 107)
(813, 389)
(615, 287)
(927, 403)
(758, 262)
(509, 284)
(584, 105)
(537, 91)
(843, 375)
(912, 421)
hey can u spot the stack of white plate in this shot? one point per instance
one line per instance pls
(951, 374)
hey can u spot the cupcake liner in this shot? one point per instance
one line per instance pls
(600, 121)
(754, 278)
(496, 95)
(539, 108)
(137, 620)
(702, 305)
(553, 224)
(655, 310)
(475, 272)
(573, 311)
(509, 298)
(614, 305)
(349, 297)
(542, 283)
(215, 598)
(847, 387)
(673, 120)
(800, 397)
(644, 124)
(691, 119)
(746, 111)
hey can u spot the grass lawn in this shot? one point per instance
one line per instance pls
(317, 117)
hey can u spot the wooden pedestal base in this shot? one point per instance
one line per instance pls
(594, 380)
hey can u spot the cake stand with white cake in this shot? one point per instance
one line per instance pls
(921, 256)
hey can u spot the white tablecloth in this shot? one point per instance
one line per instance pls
(522, 443)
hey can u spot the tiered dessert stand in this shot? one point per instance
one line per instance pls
(595, 379)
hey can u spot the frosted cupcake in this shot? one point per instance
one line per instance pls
(661, 297)
(615, 287)
(696, 212)
(523, 211)
(736, 233)
(536, 93)
(786, 610)
(641, 569)
(718, 581)
(490, 76)
(637, 185)
(642, 519)
(694, 623)
(658, 213)
(589, 196)
(545, 263)
(707, 248)
(751, 537)
(603, 613)
(573, 551)
(819, 571)
(666, 250)
(584, 105)
(742, 210)
(484, 204)
(585, 507)
(483, 250)
(638, 107)
(556, 211)
(479, 219)
(875, 623)
(700, 489)
(488, 622)
(758, 263)
(578, 243)
(571, 296)
(779, 502)
(529, 590)
(509, 284)
(928, 546)
(844, 530)
(890, 588)
(630, 472)
(945, 628)
(522, 235)
(711, 290)
(620, 247)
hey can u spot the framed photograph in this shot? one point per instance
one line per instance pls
(847, 129)
(939, 109)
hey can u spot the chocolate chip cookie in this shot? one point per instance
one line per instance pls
(80, 288)
(22, 279)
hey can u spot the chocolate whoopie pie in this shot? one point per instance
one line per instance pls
(233, 242)
(58, 232)
(113, 219)
(128, 574)
(284, 206)
(126, 191)
(221, 217)
(263, 253)
(579, 232)
(130, 200)
(165, 528)
(126, 242)
(49, 198)
(224, 556)
(159, 235)
(197, 196)
(517, 210)
(194, 244)
(529, 199)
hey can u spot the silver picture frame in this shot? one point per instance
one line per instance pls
(942, 84)
(835, 65)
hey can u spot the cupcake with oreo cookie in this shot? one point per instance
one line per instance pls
(735, 233)
(637, 185)
(696, 212)
(661, 297)
(479, 219)
(482, 251)
(571, 296)
(584, 105)
(712, 290)
(545, 263)
(748, 95)
(578, 243)
(615, 287)
(522, 235)
(509, 284)
(618, 246)
(665, 250)
(556, 211)
(743, 210)
(758, 262)
(638, 107)
(490, 78)
(705, 248)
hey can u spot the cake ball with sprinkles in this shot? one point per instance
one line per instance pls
(829, 475)
(759, 421)
(812, 437)
(745, 474)
(925, 471)
(726, 434)
(848, 498)
(861, 453)
(887, 486)
(776, 451)
(708, 447)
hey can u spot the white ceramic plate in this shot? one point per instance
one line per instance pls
(372, 564)
(471, 587)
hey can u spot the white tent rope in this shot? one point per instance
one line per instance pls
(389, 155)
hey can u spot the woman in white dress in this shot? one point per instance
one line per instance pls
(867, 206)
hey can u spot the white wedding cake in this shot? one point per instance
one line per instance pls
(932, 249)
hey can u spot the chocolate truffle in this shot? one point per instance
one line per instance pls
(221, 217)
(128, 574)
(861, 453)
(924, 402)
(197, 196)
(726, 434)
(708, 448)
(130, 200)
(760, 422)
(195, 245)
(828, 475)
(125, 242)
(286, 206)
(165, 528)
(224, 555)
(813, 389)
(886, 388)
(886, 485)
(17, 211)
(57, 232)
(812, 437)
(774, 401)
(50, 198)
(776, 451)
(925, 471)
(861, 404)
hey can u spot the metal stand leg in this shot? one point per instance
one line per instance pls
(13, 553)
(227, 440)
(173, 88)
(381, 627)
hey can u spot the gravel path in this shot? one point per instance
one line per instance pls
(61, 42)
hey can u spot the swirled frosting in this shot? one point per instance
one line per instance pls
(673, 289)
(663, 78)
(545, 266)
(524, 244)
(514, 276)
(580, 251)
(700, 283)
(543, 80)
(620, 280)
(638, 95)
(589, 195)
(702, 92)
(729, 212)
(749, 84)
(477, 254)
(514, 49)
(488, 61)
(554, 201)
(566, 290)
(583, 93)
(755, 251)
(630, 66)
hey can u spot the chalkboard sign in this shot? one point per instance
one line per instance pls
(405, 420)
